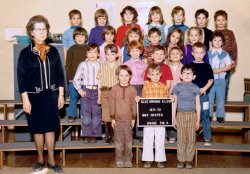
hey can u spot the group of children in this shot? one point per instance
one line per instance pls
(118, 67)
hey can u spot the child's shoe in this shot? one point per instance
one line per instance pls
(86, 140)
(128, 164)
(172, 140)
(147, 164)
(189, 165)
(119, 164)
(93, 140)
(160, 165)
(207, 143)
(220, 119)
(180, 165)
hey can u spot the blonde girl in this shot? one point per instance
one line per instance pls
(155, 20)
(194, 35)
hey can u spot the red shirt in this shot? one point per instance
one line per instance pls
(166, 74)
(121, 33)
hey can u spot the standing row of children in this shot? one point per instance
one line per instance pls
(153, 65)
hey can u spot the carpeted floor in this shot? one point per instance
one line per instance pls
(12, 170)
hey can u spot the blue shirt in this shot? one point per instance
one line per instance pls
(67, 38)
(183, 28)
(186, 93)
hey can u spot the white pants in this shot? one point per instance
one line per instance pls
(149, 135)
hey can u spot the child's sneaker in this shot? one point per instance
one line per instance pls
(119, 164)
(86, 140)
(180, 165)
(188, 165)
(207, 143)
(160, 165)
(147, 164)
(128, 164)
(172, 140)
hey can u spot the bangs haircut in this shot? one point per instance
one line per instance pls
(155, 9)
(107, 30)
(135, 44)
(123, 67)
(132, 10)
(176, 10)
(92, 46)
(74, 12)
(153, 67)
(220, 13)
(80, 31)
(101, 13)
(135, 31)
(112, 47)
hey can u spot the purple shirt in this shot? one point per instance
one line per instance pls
(188, 57)
(95, 35)
(138, 68)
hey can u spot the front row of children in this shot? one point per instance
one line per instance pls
(108, 84)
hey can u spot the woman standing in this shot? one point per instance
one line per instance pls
(41, 84)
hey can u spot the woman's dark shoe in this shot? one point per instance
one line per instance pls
(38, 166)
(57, 168)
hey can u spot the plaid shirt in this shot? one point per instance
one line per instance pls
(158, 90)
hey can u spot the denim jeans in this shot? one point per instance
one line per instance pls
(217, 91)
(74, 96)
(227, 78)
(205, 118)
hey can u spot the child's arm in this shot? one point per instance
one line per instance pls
(112, 107)
(207, 86)
(99, 93)
(224, 69)
(168, 84)
(77, 81)
(198, 111)
(174, 111)
(69, 71)
(65, 50)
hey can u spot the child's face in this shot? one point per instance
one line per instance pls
(133, 36)
(92, 55)
(128, 17)
(175, 38)
(178, 17)
(154, 75)
(175, 56)
(220, 22)
(135, 53)
(158, 56)
(111, 56)
(124, 77)
(201, 20)
(198, 54)
(101, 21)
(76, 20)
(80, 39)
(154, 39)
(217, 42)
(155, 17)
(109, 37)
(187, 75)
(194, 36)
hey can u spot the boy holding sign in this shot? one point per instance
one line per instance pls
(154, 89)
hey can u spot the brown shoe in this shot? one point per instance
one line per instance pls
(93, 140)
(86, 140)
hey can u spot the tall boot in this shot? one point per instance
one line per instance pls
(111, 132)
(107, 141)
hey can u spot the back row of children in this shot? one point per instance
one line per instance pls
(104, 85)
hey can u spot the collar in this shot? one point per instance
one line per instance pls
(74, 27)
(219, 51)
(123, 86)
(178, 25)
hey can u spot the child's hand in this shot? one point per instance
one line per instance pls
(216, 71)
(82, 93)
(175, 124)
(202, 90)
(133, 123)
(197, 125)
(137, 99)
(146, 82)
(99, 101)
(60, 102)
(113, 124)
(172, 98)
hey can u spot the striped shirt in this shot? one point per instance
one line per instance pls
(176, 73)
(86, 74)
(152, 90)
(102, 56)
(106, 75)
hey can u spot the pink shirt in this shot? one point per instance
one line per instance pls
(102, 57)
(176, 72)
(138, 68)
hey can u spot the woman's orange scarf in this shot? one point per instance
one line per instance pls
(42, 50)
